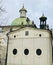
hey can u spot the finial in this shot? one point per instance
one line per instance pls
(23, 5)
(43, 14)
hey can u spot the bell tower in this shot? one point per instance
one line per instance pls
(43, 22)
(23, 12)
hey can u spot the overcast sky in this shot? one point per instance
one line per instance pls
(35, 9)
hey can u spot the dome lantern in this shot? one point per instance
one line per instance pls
(23, 12)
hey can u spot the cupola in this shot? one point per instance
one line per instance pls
(23, 12)
(43, 21)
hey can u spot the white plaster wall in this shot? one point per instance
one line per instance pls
(31, 42)
(32, 33)
(3, 44)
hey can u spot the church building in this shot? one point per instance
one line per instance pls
(26, 44)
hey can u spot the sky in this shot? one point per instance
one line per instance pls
(35, 9)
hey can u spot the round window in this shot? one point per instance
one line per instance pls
(39, 35)
(26, 51)
(38, 51)
(14, 51)
(14, 36)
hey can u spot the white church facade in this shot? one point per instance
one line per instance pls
(25, 43)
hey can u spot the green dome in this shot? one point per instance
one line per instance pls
(20, 21)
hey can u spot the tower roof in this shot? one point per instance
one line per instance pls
(23, 9)
(43, 18)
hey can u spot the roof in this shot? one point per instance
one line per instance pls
(43, 17)
(21, 21)
(23, 9)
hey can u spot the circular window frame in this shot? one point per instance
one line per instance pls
(40, 35)
(26, 51)
(14, 51)
(14, 36)
(38, 51)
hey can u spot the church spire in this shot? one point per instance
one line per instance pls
(23, 12)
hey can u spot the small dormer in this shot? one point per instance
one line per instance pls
(23, 12)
